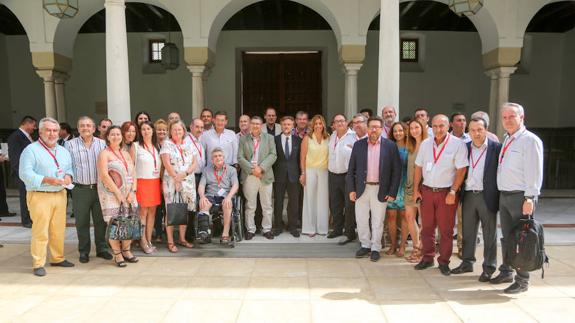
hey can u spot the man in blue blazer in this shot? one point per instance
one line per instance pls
(480, 200)
(372, 180)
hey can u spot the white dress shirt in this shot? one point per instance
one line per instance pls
(465, 137)
(290, 143)
(340, 152)
(474, 181)
(441, 173)
(227, 141)
(197, 146)
(521, 164)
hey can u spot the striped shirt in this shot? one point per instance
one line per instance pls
(84, 159)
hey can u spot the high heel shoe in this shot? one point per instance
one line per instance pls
(146, 247)
(132, 259)
(121, 263)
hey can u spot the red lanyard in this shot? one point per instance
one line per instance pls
(474, 164)
(181, 152)
(505, 149)
(436, 158)
(121, 157)
(219, 179)
(194, 142)
(153, 153)
(50, 152)
(256, 145)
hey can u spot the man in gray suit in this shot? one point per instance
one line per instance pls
(256, 156)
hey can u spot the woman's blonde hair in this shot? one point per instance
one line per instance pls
(176, 123)
(324, 134)
(411, 141)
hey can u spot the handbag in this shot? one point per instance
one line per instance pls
(125, 226)
(177, 211)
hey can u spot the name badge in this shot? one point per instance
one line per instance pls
(59, 173)
(156, 173)
(222, 192)
(428, 166)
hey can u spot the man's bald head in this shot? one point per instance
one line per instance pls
(440, 126)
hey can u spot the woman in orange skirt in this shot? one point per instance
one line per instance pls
(148, 166)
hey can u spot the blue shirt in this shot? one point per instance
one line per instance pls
(37, 163)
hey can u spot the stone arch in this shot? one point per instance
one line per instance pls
(483, 21)
(233, 7)
(67, 29)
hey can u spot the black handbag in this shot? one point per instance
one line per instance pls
(177, 211)
(125, 226)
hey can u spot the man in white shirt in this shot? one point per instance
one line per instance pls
(244, 124)
(340, 145)
(272, 128)
(207, 116)
(221, 137)
(458, 125)
(441, 163)
(422, 115)
(519, 178)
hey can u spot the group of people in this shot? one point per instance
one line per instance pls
(358, 174)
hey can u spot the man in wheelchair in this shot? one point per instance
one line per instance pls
(217, 187)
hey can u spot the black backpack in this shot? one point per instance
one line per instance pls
(525, 250)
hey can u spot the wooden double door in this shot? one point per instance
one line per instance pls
(288, 81)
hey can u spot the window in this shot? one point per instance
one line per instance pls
(155, 50)
(409, 50)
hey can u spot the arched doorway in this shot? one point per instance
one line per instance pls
(284, 54)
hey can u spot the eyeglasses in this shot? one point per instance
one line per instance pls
(375, 127)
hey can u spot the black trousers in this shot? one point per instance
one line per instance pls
(24, 213)
(510, 212)
(3, 204)
(340, 206)
(475, 210)
(293, 205)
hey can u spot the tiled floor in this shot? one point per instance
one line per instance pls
(164, 289)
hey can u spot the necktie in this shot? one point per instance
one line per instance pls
(286, 149)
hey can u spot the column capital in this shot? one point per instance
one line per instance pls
(350, 54)
(198, 56)
(46, 75)
(51, 61)
(351, 69)
(500, 72)
(196, 70)
(501, 57)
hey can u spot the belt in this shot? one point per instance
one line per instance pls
(437, 189)
(474, 191)
(512, 192)
(371, 183)
(90, 186)
(47, 191)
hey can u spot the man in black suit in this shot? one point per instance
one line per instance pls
(372, 180)
(287, 172)
(17, 141)
(480, 200)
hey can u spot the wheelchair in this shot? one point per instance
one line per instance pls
(213, 225)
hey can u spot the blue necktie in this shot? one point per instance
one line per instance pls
(287, 148)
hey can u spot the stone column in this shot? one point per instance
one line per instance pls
(499, 94)
(197, 89)
(388, 68)
(117, 68)
(499, 64)
(49, 92)
(60, 81)
(350, 71)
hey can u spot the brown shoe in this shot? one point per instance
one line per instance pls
(269, 235)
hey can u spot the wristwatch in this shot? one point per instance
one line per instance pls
(452, 191)
(530, 198)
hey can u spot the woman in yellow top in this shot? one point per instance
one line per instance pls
(313, 162)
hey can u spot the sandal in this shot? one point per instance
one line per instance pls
(146, 247)
(121, 263)
(415, 256)
(400, 253)
(132, 259)
(172, 247)
(185, 244)
(390, 251)
(225, 240)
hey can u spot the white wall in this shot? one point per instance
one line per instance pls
(539, 90)
(453, 73)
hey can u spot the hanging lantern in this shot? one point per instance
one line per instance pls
(465, 7)
(170, 56)
(61, 8)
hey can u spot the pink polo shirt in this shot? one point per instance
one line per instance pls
(373, 161)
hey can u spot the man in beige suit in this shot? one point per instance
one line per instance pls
(256, 156)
